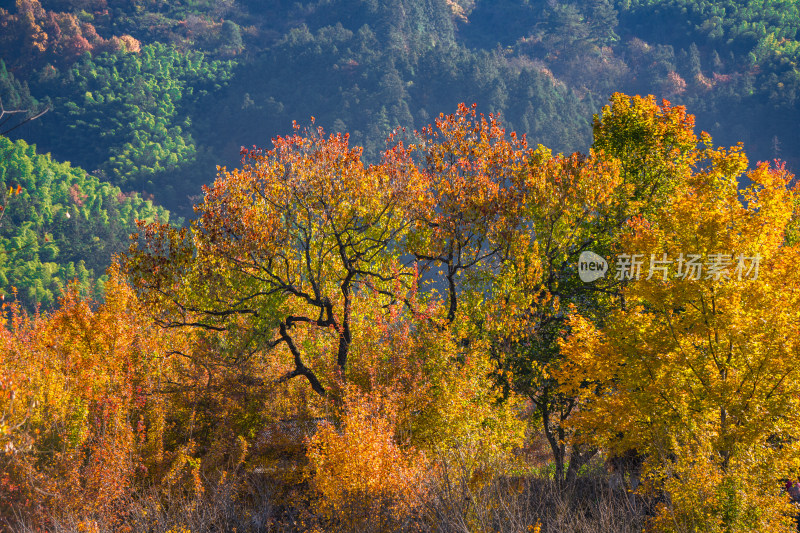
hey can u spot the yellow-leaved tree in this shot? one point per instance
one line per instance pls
(697, 368)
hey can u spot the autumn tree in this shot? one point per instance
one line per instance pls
(467, 210)
(697, 369)
(284, 241)
(569, 205)
(317, 265)
(81, 422)
(564, 200)
(34, 34)
(655, 144)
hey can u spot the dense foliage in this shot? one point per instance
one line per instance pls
(364, 331)
(131, 113)
(59, 224)
(375, 339)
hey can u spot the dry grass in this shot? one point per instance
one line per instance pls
(462, 495)
(514, 504)
(455, 503)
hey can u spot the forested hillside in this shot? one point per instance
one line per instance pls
(152, 95)
(59, 225)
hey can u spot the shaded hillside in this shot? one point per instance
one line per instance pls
(153, 97)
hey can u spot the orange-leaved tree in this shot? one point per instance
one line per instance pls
(80, 417)
(296, 257)
(469, 199)
(279, 252)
